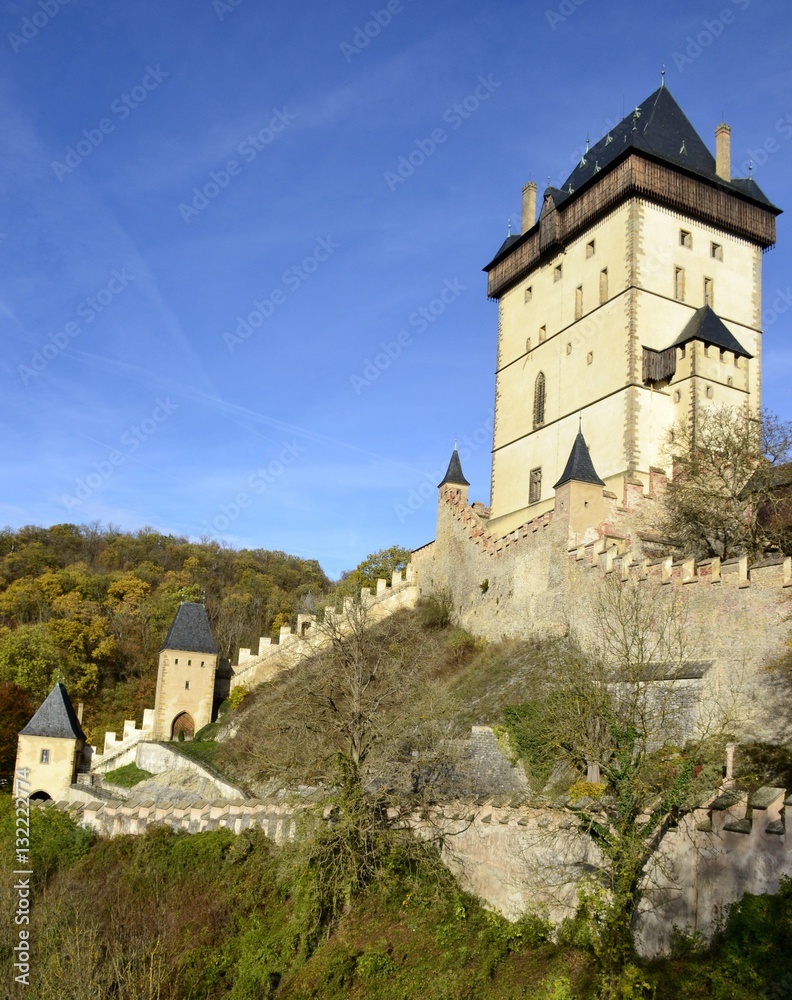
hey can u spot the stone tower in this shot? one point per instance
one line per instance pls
(186, 675)
(634, 300)
(51, 747)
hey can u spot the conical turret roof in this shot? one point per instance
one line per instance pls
(454, 475)
(579, 467)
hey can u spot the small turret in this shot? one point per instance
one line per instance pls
(578, 493)
(51, 746)
(454, 479)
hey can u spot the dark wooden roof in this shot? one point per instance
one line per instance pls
(579, 467)
(454, 475)
(190, 630)
(55, 718)
(707, 326)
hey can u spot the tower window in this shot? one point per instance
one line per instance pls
(589, 357)
(685, 239)
(176, 660)
(677, 395)
(590, 248)
(535, 486)
(709, 293)
(45, 756)
(539, 401)
(710, 392)
(529, 293)
(186, 685)
(202, 662)
(679, 283)
(603, 285)
(189, 663)
(729, 380)
(569, 348)
(542, 334)
(558, 272)
(716, 251)
(579, 302)
(527, 344)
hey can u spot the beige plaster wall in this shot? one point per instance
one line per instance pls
(176, 668)
(55, 777)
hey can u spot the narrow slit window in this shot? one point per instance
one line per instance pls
(558, 272)
(716, 251)
(709, 293)
(539, 401)
(685, 239)
(527, 345)
(186, 685)
(679, 283)
(535, 486)
(579, 302)
(529, 293)
(603, 285)
(591, 247)
(542, 334)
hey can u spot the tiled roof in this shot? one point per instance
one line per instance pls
(55, 718)
(454, 475)
(191, 630)
(706, 325)
(579, 467)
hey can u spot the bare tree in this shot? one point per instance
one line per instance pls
(726, 496)
(615, 709)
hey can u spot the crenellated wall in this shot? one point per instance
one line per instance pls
(543, 577)
(253, 669)
(516, 855)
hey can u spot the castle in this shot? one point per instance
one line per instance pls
(633, 302)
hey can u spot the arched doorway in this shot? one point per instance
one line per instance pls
(183, 727)
(40, 796)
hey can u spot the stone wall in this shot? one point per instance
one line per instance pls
(542, 578)
(253, 669)
(515, 855)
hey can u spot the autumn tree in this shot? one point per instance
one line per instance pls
(726, 497)
(16, 710)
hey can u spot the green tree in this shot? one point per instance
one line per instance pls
(376, 566)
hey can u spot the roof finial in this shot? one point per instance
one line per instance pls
(750, 169)
(662, 77)
(587, 142)
(580, 423)
(508, 231)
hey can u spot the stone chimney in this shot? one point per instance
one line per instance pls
(723, 151)
(528, 206)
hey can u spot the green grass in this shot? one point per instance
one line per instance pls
(204, 751)
(127, 776)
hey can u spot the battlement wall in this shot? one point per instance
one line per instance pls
(388, 597)
(542, 578)
(516, 855)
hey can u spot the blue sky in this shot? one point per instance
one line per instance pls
(205, 241)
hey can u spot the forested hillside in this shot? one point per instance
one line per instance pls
(91, 606)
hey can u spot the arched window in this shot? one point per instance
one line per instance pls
(539, 401)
